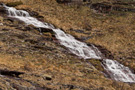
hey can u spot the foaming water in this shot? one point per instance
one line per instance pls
(75, 46)
(114, 69)
(25, 17)
(118, 71)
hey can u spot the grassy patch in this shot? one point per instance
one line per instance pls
(114, 32)
(96, 64)
(13, 4)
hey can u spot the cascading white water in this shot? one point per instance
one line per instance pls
(75, 46)
(116, 70)
(25, 17)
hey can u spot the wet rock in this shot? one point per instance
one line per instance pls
(13, 22)
(10, 19)
(33, 13)
(45, 30)
(27, 28)
(11, 73)
(40, 17)
(105, 52)
(2, 10)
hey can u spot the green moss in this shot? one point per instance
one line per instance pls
(13, 4)
(97, 64)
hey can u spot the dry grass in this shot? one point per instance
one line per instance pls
(113, 32)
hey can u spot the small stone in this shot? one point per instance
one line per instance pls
(1, 24)
(47, 77)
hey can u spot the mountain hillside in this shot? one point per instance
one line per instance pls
(31, 59)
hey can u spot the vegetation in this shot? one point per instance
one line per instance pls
(114, 31)
(13, 4)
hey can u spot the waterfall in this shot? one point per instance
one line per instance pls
(25, 17)
(114, 69)
(118, 71)
(75, 46)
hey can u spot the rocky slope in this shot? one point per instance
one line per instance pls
(30, 60)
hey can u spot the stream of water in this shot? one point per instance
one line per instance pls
(113, 68)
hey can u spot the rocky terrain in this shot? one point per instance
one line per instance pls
(31, 59)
